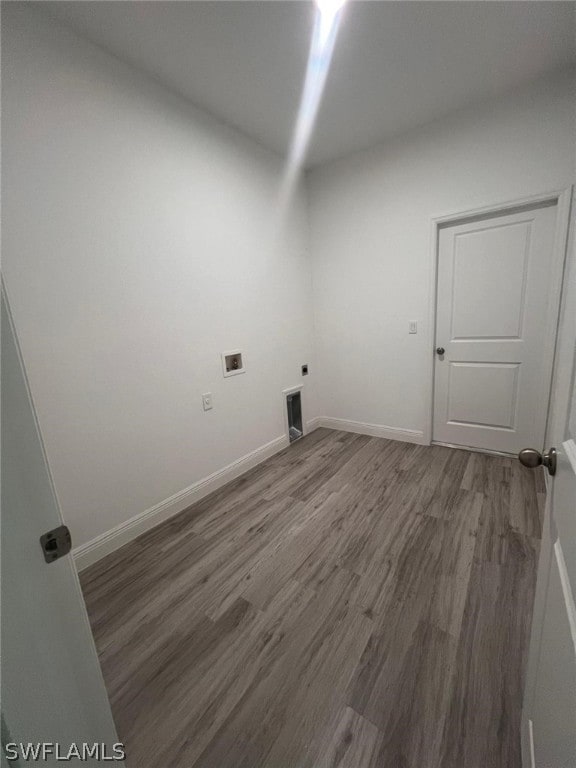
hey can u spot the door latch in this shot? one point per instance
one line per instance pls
(56, 543)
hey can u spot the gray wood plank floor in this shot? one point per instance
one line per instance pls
(353, 602)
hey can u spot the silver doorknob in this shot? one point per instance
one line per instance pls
(532, 458)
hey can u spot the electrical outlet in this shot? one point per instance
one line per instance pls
(412, 326)
(207, 401)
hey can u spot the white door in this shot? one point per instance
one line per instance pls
(52, 688)
(549, 711)
(497, 307)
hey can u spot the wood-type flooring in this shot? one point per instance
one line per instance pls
(352, 602)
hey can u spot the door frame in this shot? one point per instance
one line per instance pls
(562, 199)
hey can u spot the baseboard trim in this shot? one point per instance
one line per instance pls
(94, 550)
(313, 424)
(374, 430)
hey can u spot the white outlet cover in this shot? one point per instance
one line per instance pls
(207, 401)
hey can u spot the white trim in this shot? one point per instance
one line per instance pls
(559, 259)
(566, 590)
(562, 198)
(107, 542)
(94, 550)
(374, 430)
(291, 390)
(431, 336)
(506, 205)
(531, 744)
(313, 424)
(569, 448)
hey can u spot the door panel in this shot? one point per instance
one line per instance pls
(52, 687)
(549, 710)
(549, 707)
(496, 303)
(553, 714)
(483, 394)
(490, 267)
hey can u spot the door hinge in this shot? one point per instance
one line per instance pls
(56, 543)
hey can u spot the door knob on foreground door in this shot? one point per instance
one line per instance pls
(532, 458)
(440, 350)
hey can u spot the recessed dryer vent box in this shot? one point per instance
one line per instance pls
(294, 413)
(232, 363)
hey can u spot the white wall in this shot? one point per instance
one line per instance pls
(138, 243)
(371, 239)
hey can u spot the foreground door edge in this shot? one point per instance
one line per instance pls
(52, 685)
